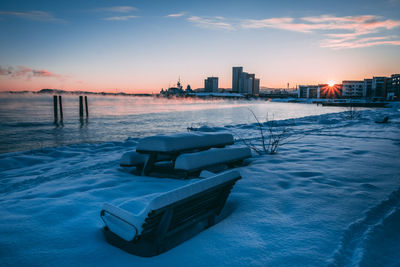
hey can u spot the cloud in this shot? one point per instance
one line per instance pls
(25, 72)
(117, 9)
(357, 43)
(309, 24)
(175, 15)
(211, 23)
(341, 32)
(278, 23)
(121, 18)
(36, 15)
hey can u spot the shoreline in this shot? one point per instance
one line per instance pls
(341, 102)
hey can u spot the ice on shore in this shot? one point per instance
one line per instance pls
(330, 196)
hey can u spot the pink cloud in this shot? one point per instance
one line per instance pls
(346, 31)
(308, 24)
(25, 72)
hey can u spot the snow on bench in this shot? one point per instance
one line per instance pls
(132, 159)
(141, 225)
(200, 160)
(183, 142)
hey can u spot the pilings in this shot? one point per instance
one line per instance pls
(83, 121)
(55, 109)
(80, 106)
(57, 101)
(86, 105)
(61, 109)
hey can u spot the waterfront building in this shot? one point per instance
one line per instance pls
(174, 90)
(211, 84)
(327, 91)
(308, 91)
(188, 89)
(378, 87)
(319, 91)
(244, 83)
(256, 87)
(352, 89)
(395, 86)
(236, 74)
(367, 88)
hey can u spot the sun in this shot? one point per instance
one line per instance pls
(331, 83)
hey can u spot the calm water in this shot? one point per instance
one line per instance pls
(26, 120)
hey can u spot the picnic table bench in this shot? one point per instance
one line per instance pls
(169, 218)
(183, 154)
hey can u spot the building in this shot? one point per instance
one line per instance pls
(327, 91)
(308, 91)
(174, 90)
(319, 91)
(353, 89)
(367, 88)
(378, 87)
(256, 87)
(244, 83)
(382, 87)
(236, 73)
(211, 84)
(394, 90)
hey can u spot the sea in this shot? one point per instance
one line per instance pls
(27, 119)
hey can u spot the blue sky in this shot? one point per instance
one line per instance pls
(142, 46)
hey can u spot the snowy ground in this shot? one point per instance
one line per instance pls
(330, 197)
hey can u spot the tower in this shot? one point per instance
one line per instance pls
(236, 73)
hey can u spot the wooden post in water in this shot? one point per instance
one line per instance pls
(81, 106)
(55, 108)
(86, 105)
(61, 111)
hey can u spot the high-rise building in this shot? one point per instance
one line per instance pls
(244, 83)
(211, 84)
(236, 73)
(251, 77)
(256, 88)
(352, 88)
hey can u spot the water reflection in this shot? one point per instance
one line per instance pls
(84, 121)
(27, 122)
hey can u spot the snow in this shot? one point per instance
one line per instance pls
(133, 158)
(202, 159)
(135, 211)
(183, 141)
(331, 196)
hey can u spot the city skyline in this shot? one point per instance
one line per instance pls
(141, 47)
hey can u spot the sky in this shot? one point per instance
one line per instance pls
(143, 46)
